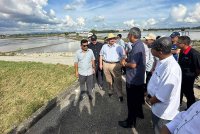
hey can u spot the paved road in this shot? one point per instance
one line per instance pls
(100, 116)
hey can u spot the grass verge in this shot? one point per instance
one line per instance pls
(26, 86)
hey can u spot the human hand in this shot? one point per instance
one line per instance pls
(101, 66)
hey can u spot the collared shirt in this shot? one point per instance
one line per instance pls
(121, 43)
(189, 63)
(186, 122)
(135, 76)
(96, 50)
(84, 60)
(112, 53)
(149, 58)
(165, 84)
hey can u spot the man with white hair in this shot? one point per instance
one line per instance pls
(135, 71)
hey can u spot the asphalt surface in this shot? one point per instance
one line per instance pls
(99, 116)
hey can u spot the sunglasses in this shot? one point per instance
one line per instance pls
(85, 45)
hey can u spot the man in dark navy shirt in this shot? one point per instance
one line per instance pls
(96, 48)
(189, 61)
(135, 71)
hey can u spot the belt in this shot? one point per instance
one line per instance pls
(111, 62)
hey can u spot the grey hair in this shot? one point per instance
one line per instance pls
(163, 44)
(136, 32)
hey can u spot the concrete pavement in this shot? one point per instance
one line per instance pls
(99, 116)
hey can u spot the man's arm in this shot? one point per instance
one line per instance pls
(101, 62)
(76, 69)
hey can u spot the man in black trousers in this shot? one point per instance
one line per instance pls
(189, 61)
(96, 48)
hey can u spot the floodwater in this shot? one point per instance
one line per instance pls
(62, 44)
(39, 45)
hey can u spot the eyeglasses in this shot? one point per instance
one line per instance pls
(85, 45)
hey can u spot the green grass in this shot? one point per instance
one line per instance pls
(26, 86)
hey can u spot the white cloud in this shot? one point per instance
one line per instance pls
(80, 21)
(195, 15)
(130, 23)
(69, 7)
(52, 13)
(74, 5)
(178, 13)
(68, 21)
(151, 21)
(99, 18)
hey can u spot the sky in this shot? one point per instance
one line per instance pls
(27, 16)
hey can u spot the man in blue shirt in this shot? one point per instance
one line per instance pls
(135, 71)
(175, 51)
(85, 68)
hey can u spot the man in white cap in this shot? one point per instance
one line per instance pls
(150, 59)
(89, 37)
(110, 56)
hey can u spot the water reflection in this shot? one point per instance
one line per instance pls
(39, 44)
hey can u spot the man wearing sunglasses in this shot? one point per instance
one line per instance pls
(84, 68)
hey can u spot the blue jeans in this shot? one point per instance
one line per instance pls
(158, 123)
(88, 81)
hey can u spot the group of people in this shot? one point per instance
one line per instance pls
(159, 70)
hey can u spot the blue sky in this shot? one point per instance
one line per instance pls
(25, 16)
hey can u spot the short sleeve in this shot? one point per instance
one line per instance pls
(76, 58)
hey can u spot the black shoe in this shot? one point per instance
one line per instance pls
(81, 97)
(109, 94)
(125, 124)
(121, 99)
(90, 97)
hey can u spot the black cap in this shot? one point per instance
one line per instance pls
(93, 37)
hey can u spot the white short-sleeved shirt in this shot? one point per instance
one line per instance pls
(84, 60)
(165, 84)
(186, 122)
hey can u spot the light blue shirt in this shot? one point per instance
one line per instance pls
(84, 60)
(121, 43)
(112, 53)
(186, 122)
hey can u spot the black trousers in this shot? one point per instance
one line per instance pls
(98, 77)
(135, 100)
(148, 77)
(187, 88)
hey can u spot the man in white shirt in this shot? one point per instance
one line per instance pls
(185, 122)
(165, 85)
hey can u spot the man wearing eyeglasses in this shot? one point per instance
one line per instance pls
(85, 68)
(189, 61)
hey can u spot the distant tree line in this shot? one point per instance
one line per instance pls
(103, 31)
(172, 29)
